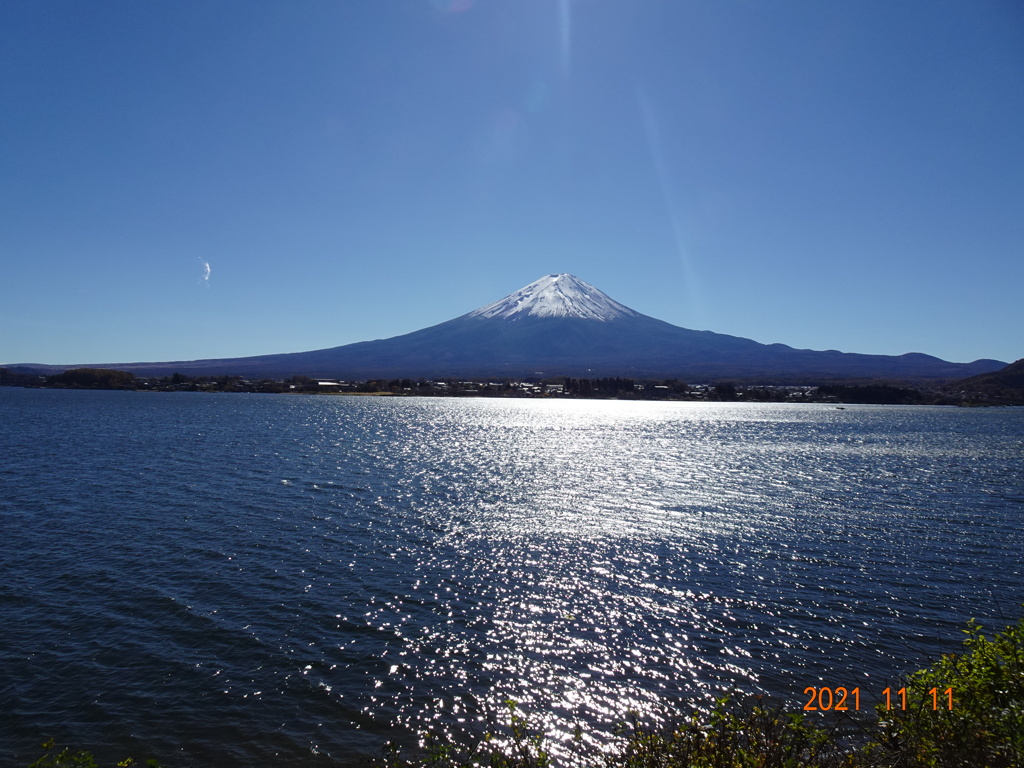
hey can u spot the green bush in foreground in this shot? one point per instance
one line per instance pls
(65, 758)
(760, 737)
(984, 728)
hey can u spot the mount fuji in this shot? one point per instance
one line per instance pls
(560, 325)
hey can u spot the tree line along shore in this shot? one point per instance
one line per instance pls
(863, 392)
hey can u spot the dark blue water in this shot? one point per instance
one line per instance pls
(236, 580)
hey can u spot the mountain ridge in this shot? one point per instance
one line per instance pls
(560, 325)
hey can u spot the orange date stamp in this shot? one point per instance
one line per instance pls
(842, 699)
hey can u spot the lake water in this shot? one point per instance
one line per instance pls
(236, 580)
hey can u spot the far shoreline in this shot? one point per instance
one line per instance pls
(838, 393)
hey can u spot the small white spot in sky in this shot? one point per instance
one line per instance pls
(204, 277)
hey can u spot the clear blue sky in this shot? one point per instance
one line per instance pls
(183, 180)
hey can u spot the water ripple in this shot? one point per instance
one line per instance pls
(234, 580)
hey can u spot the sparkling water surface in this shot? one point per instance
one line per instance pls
(256, 580)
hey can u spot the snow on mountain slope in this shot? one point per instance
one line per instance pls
(556, 296)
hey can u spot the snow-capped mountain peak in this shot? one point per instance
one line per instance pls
(556, 296)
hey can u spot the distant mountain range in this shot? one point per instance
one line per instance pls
(1005, 384)
(562, 326)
